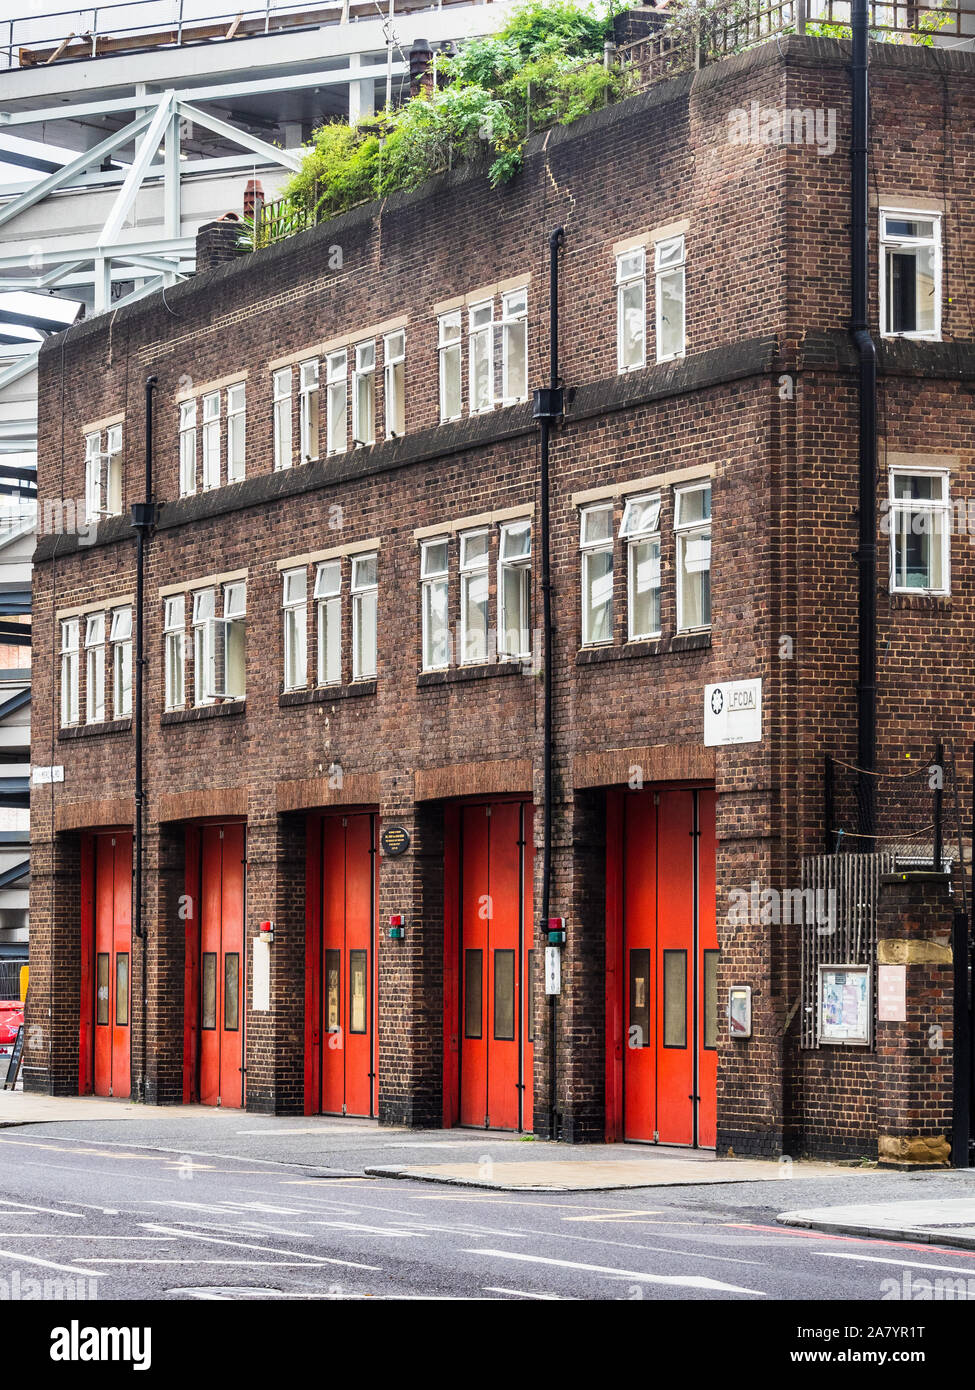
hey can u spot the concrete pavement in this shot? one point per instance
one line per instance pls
(943, 1221)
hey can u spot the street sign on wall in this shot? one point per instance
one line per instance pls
(733, 713)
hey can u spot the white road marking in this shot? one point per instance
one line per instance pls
(523, 1293)
(262, 1249)
(50, 1211)
(882, 1260)
(612, 1216)
(684, 1281)
(48, 1264)
(260, 1264)
(48, 1235)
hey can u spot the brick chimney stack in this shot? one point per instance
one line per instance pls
(216, 242)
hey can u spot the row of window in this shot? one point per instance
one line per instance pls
(918, 519)
(494, 335)
(99, 652)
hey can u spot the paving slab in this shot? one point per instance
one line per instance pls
(26, 1108)
(944, 1221)
(601, 1175)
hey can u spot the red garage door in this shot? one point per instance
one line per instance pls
(490, 850)
(221, 967)
(662, 967)
(341, 1074)
(107, 966)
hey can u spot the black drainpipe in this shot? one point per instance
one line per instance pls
(143, 519)
(547, 407)
(867, 392)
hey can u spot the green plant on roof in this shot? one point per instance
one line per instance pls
(545, 67)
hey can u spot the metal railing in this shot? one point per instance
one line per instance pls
(697, 36)
(85, 31)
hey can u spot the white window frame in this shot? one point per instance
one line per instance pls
(235, 622)
(472, 570)
(360, 592)
(187, 448)
(282, 386)
(394, 383)
(120, 637)
(933, 334)
(174, 658)
(929, 508)
(337, 401)
(93, 475)
(236, 432)
(635, 532)
(433, 580)
(294, 604)
(70, 672)
(480, 334)
(450, 330)
(95, 668)
(202, 643)
(523, 564)
(211, 441)
(309, 414)
(588, 549)
(364, 379)
(328, 622)
(625, 277)
(113, 471)
(685, 531)
(514, 324)
(664, 269)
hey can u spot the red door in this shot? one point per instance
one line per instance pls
(662, 967)
(496, 1051)
(111, 964)
(221, 982)
(348, 964)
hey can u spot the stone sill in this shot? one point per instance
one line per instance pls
(457, 674)
(111, 726)
(661, 646)
(197, 715)
(920, 601)
(325, 694)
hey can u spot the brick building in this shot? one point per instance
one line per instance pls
(342, 635)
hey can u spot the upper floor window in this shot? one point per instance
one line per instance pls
(474, 596)
(920, 532)
(211, 440)
(337, 402)
(210, 422)
(449, 333)
(295, 605)
(219, 644)
(70, 683)
(236, 431)
(187, 448)
(308, 410)
(120, 637)
(95, 668)
(328, 600)
(692, 527)
(364, 394)
(364, 590)
(514, 588)
(596, 544)
(434, 599)
(669, 259)
(640, 529)
(103, 472)
(394, 383)
(481, 355)
(174, 655)
(281, 391)
(631, 309)
(910, 274)
(514, 346)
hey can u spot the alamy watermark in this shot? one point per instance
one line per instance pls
(773, 125)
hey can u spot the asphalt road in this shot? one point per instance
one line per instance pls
(188, 1210)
